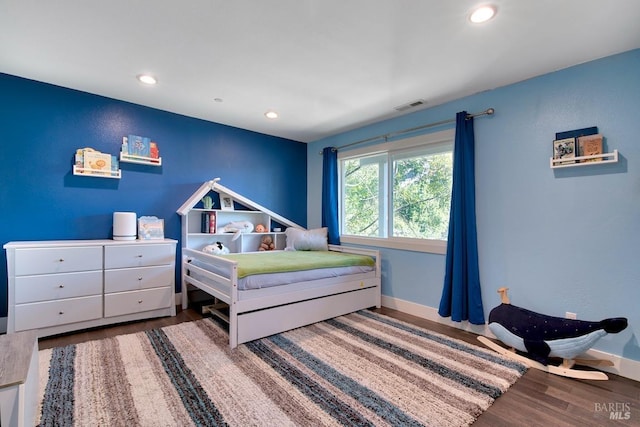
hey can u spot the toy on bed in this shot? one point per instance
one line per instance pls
(237, 227)
(541, 337)
(217, 249)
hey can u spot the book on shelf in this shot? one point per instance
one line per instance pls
(139, 146)
(154, 152)
(576, 133)
(212, 222)
(204, 225)
(564, 149)
(97, 161)
(590, 145)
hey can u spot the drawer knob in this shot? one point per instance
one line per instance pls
(138, 256)
(61, 312)
(139, 278)
(61, 286)
(139, 301)
(61, 260)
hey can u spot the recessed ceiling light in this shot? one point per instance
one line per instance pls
(147, 79)
(271, 114)
(482, 14)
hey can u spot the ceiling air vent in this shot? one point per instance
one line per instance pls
(409, 105)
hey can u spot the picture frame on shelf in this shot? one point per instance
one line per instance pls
(226, 202)
(564, 149)
(590, 145)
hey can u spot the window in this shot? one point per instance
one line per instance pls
(398, 193)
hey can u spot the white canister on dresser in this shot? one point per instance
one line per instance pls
(124, 226)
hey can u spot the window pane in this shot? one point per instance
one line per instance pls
(422, 195)
(363, 184)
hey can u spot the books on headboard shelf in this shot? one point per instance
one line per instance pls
(140, 150)
(208, 222)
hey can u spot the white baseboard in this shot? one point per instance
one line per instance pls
(621, 366)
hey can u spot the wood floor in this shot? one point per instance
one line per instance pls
(537, 399)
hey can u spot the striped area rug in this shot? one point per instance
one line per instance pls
(362, 369)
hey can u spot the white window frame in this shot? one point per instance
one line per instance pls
(442, 138)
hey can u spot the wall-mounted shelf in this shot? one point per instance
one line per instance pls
(150, 161)
(96, 173)
(579, 161)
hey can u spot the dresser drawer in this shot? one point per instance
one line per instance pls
(138, 255)
(57, 260)
(137, 301)
(133, 279)
(46, 287)
(60, 312)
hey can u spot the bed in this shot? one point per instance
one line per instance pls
(266, 302)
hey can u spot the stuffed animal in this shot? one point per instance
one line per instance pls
(261, 228)
(267, 244)
(541, 337)
(217, 249)
(238, 227)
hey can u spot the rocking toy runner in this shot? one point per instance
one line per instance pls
(542, 337)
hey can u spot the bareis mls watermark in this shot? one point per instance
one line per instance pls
(615, 410)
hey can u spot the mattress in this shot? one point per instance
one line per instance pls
(297, 268)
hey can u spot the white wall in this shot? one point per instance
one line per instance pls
(561, 240)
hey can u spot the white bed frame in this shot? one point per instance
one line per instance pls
(259, 313)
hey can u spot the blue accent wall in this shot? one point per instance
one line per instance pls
(560, 239)
(42, 125)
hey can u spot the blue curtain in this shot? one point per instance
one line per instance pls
(461, 297)
(330, 194)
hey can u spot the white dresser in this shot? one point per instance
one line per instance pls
(62, 286)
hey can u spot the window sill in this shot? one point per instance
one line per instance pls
(415, 245)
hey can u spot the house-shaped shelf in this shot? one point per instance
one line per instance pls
(202, 227)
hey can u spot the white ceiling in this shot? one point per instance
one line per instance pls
(325, 65)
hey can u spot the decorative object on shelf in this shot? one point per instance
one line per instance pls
(217, 249)
(124, 226)
(564, 149)
(590, 145)
(238, 227)
(227, 202)
(90, 162)
(207, 202)
(140, 150)
(150, 228)
(267, 244)
(541, 336)
(260, 228)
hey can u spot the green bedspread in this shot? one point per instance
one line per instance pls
(285, 261)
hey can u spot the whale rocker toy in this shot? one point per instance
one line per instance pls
(542, 337)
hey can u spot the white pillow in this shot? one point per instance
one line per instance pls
(306, 240)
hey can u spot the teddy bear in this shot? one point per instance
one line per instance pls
(267, 244)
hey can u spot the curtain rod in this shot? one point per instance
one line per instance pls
(487, 112)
